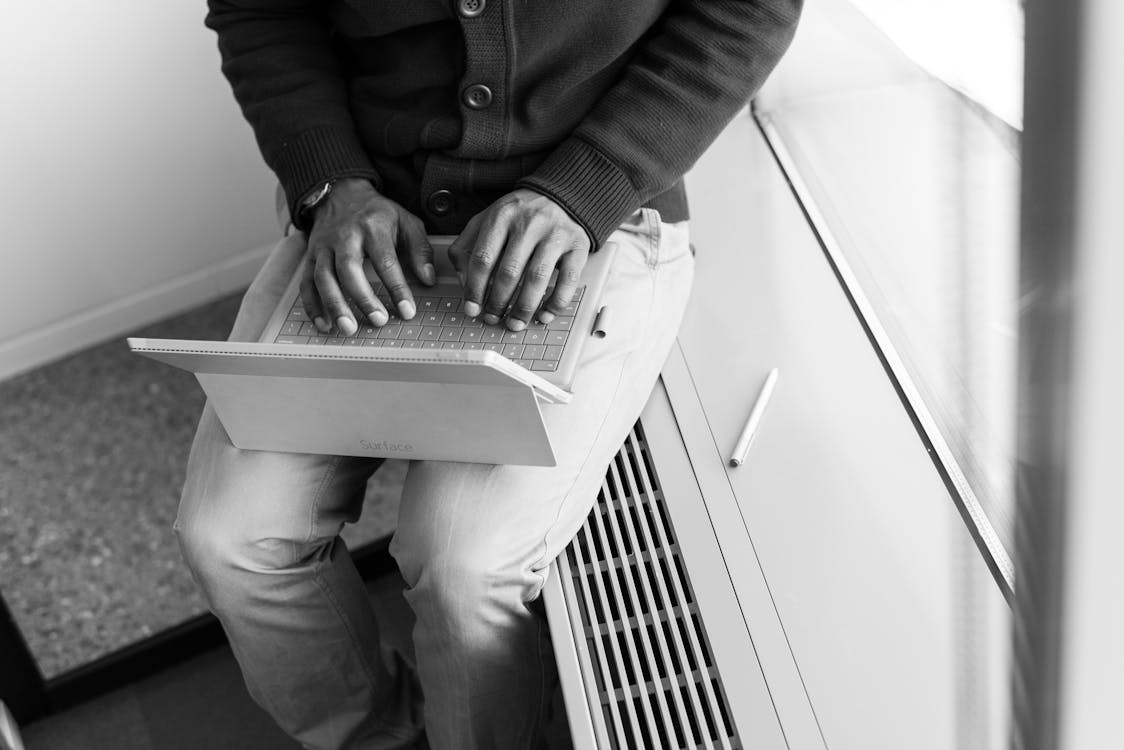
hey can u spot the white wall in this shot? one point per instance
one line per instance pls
(130, 186)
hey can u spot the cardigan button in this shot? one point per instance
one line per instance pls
(477, 96)
(440, 203)
(471, 8)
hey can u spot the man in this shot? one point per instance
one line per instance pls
(538, 132)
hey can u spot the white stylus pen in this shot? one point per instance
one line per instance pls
(750, 429)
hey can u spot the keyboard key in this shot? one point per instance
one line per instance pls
(412, 344)
(389, 344)
(453, 345)
(534, 351)
(553, 353)
(493, 334)
(523, 362)
(557, 338)
(389, 332)
(449, 304)
(409, 333)
(473, 345)
(497, 348)
(533, 336)
(373, 342)
(513, 351)
(453, 319)
(298, 313)
(450, 334)
(431, 344)
(513, 337)
(368, 332)
(431, 319)
(291, 340)
(470, 334)
(292, 328)
(561, 323)
(318, 340)
(544, 366)
(472, 323)
(430, 333)
(352, 341)
(426, 304)
(307, 329)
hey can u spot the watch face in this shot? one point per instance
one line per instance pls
(317, 196)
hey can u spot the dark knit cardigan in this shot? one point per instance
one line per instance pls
(602, 105)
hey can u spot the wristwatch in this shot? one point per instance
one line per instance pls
(311, 201)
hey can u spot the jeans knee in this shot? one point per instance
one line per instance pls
(466, 592)
(228, 556)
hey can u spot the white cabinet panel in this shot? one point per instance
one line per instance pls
(885, 602)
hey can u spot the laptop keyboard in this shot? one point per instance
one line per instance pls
(440, 323)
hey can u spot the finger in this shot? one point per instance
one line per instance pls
(536, 276)
(411, 232)
(349, 271)
(462, 246)
(310, 298)
(330, 295)
(481, 259)
(382, 250)
(565, 286)
(508, 272)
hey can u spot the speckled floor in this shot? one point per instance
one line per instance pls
(92, 455)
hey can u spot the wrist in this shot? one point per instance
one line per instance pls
(351, 188)
(343, 190)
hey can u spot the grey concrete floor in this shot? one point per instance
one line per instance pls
(201, 703)
(92, 456)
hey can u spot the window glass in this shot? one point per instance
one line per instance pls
(905, 149)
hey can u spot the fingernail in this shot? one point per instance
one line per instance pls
(323, 325)
(406, 309)
(471, 309)
(346, 325)
(515, 325)
(546, 316)
(378, 317)
(491, 319)
(429, 274)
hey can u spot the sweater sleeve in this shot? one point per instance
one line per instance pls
(700, 64)
(278, 57)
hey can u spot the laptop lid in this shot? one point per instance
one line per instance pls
(449, 405)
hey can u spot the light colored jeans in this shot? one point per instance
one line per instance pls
(260, 532)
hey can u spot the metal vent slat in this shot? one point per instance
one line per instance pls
(662, 570)
(649, 619)
(714, 715)
(625, 635)
(649, 676)
(653, 670)
(663, 604)
(607, 675)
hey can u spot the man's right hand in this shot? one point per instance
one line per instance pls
(356, 222)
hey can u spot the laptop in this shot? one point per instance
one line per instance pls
(441, 386)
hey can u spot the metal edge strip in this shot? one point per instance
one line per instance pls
(566, 655)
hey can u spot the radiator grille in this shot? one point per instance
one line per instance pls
(649, 676)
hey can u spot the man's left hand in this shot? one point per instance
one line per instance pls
(506, 254)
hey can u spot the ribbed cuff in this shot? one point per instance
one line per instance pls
(592, 189)
(315, 156)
